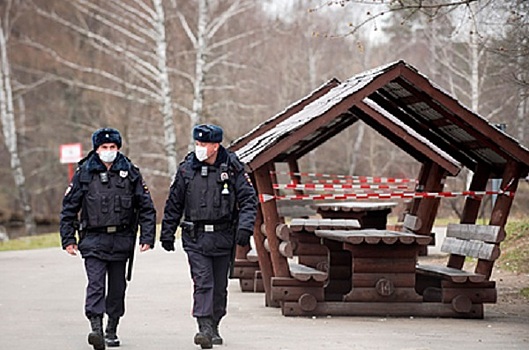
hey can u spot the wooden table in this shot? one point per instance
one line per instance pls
(369, 214)
(372, 273)
(381, 266)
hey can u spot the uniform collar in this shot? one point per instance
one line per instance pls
(94, 164)
(222, 157)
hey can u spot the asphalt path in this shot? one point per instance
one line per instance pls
(41, 307)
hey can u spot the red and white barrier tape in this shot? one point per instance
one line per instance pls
(361, 179)
(325, 187)
(408, 195)
(348, 181)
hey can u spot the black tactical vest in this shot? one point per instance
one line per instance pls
(210, 195)
(108, 200)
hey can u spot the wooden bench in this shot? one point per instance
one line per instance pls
(295, 209)
(247, 272)
(465, 289)
(307, 261)
(413, 224)
(369, 214)
(246, 269)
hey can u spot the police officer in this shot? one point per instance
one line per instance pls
(109, 193)
(215, 196)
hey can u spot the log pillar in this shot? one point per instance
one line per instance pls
(431, 179)
(502, 207)
(271, 220)
(471, 208)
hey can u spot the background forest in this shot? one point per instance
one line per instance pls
(155, 68)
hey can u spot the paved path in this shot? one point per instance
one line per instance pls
(41, 307)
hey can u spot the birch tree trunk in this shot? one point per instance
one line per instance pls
(356, 148)
(522, 95)
(7, 115)
(141, 51)
(166, 108)
(207, 54)
(313, 72)
(200, 66)
(356, 151)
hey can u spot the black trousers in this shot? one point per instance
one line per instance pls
(103, 274)
(210, 284)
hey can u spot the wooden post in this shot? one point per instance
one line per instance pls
(431, 179)
(421, 184)
(273, 179)
(502, 207)
(296, 179)
(471, 208)
(472, 204)
(265, 264)
(70, 171)
(271, 220)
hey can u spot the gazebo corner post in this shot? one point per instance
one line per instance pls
(265, 264)
(295, 177)
(431, 179)
(471, 208)
(502, 207)
(472, 204)
(271, 218)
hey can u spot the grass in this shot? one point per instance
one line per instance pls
(515, 249)
(32, 242)
(48, 240)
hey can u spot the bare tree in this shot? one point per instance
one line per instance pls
(513, 51)
(380, 10)
(7, 117)
(210, 51)
(136, 42)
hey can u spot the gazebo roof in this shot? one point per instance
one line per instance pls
(402, 105)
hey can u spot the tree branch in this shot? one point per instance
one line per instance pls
(390, 6)
(89, 70)
(91, 10)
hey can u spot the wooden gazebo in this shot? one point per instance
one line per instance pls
(420, 118)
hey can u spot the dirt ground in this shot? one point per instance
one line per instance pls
(510, 300)
(509, 285)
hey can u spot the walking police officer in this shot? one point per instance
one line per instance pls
(112, 198)
(215, 196)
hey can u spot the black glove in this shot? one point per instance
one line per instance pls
(243, 237)
(168, 245)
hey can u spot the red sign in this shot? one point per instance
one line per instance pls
(70, 153)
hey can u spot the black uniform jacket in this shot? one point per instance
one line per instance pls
(97, 243)
(218, 242)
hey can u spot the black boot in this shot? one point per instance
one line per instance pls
(216, 339)
(111, 337)
(95, 338)
(205, 332)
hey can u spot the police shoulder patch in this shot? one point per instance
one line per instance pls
(248, 179)
(69, 189)
(145, 187)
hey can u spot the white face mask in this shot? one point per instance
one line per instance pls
(201, 153)
(108, 156)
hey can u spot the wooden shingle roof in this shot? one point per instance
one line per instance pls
(402, 105)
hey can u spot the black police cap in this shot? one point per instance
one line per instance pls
(207, 133)
(106, 135)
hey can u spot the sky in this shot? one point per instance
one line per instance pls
(341, 16)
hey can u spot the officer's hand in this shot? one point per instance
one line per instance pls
(71, 249)
(168, 245)
(144, 247)
(243, 237)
